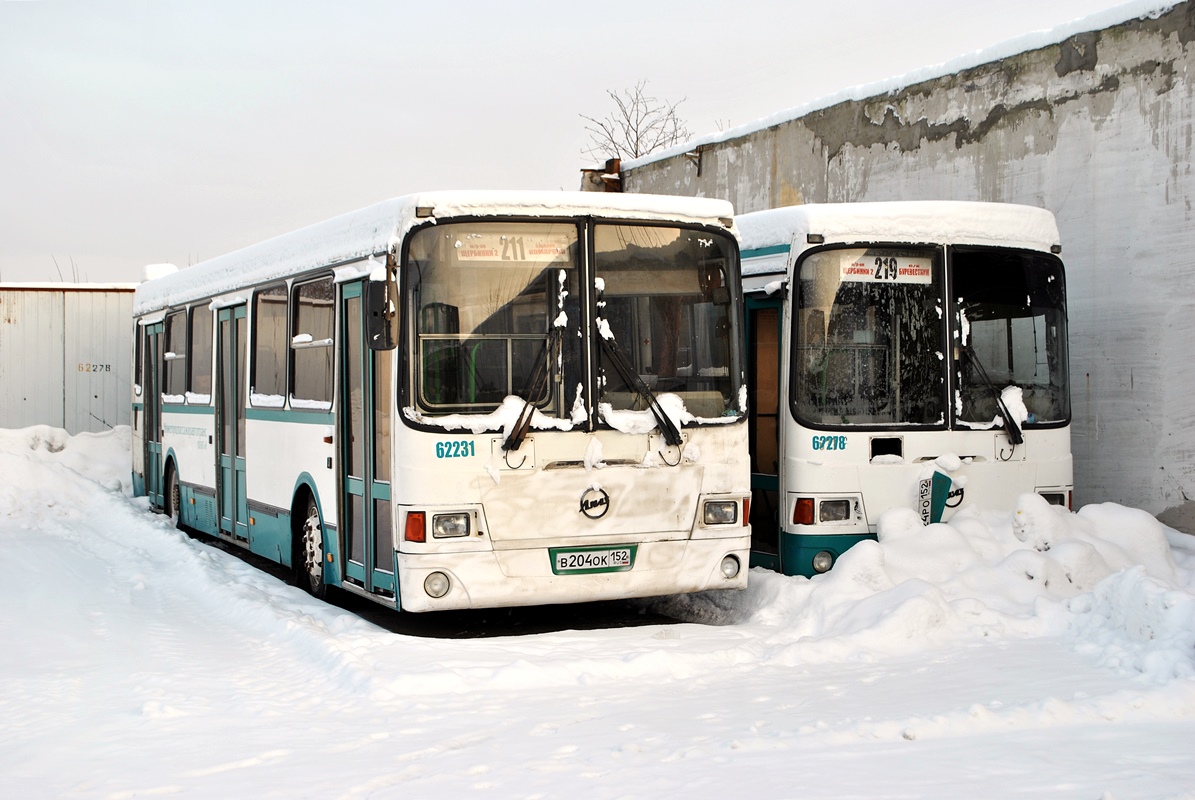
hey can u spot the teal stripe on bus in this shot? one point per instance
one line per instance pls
(181, 409)
(291, 415)
(760, 252)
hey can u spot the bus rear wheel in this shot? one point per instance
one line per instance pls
(173, 497)
(309, 566)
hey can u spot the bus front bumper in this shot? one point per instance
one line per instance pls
(524, 577)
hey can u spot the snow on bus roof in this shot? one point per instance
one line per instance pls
(374, 230)
(915, 222)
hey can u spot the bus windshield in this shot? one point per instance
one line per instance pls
(483, 298)
(1011, 309)
(869, 330)
(496, 309)
(665, 311)
(870, 325)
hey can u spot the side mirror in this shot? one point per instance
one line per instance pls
(381, 312)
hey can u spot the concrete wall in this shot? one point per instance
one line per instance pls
(1097, 129)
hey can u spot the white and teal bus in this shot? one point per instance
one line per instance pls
(903, 354)
(461, 399)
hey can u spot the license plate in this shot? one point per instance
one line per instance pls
(571, 561)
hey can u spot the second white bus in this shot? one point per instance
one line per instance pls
(903, 354)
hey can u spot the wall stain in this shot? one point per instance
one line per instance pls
(849, 124)
(1077, 53)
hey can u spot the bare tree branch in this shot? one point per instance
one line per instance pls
(640, 124)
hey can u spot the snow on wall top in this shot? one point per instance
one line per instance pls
(48, 286)
(913, 222)
(376, 229)
(1137, 9)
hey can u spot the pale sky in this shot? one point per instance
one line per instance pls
(145, 132)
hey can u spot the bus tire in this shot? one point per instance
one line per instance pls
(309, 565)
(173, 497)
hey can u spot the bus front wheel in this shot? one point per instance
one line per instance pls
(310, 564)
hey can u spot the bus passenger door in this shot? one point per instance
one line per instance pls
(763, 386)
(231, 341)
(365, 418)
(151, 364)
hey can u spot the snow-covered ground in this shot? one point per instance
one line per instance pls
(1027, 653)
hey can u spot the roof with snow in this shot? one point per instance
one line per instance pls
(766, 236)
(376, 230)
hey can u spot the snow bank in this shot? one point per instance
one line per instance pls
(1112, 579)
(99, 457)
(1038, 648)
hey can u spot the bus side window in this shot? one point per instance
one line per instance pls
(175, 357)
(200, 382)
(311, 344)
(268, 383)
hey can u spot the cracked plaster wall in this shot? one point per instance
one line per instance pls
(1097, 129)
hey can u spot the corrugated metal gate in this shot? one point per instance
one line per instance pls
(64, 355)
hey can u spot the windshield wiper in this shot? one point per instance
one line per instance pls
(631, 378)
(1014, 431)
(537, 383)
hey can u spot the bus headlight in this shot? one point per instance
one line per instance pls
(721, 512)
(730, 567)
(436, 585)
(833, 510)
(450, 526)
(823, 561)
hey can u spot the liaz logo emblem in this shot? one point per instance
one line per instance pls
(595, 503)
